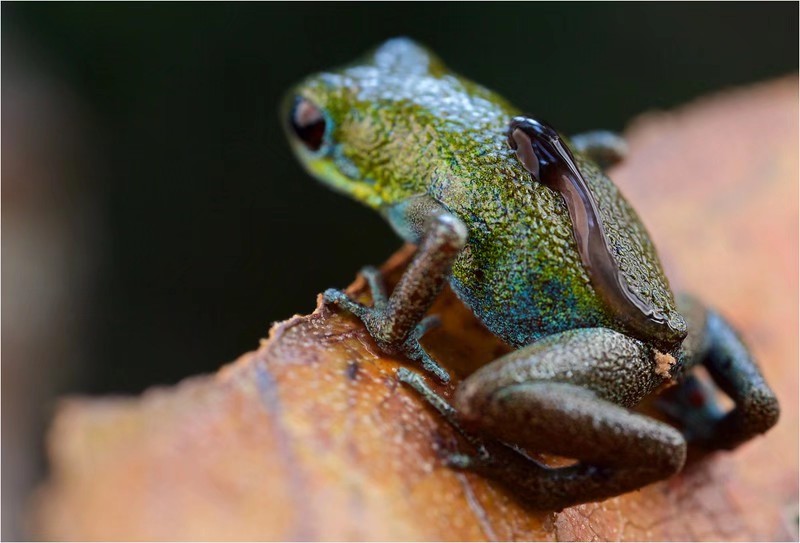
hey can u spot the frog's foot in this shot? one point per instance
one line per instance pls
(377, 289)
(448, 412)
(488, 456)
(692, 406)
(734, 372)
(605, 148)
(413, 350)
(397, 322)
(377, 321)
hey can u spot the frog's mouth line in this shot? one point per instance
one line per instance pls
(330, 172)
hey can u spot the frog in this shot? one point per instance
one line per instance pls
(528, 230)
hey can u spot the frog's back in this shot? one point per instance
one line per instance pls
(521, 272)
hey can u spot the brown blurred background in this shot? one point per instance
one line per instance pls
(154, 221)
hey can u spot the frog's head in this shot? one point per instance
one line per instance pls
(347, 126)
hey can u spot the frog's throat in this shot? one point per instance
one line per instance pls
(331, 174)
(544, 155)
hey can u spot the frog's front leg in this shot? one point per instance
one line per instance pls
(719, 349)
(605, 148)
(568, 395)
(396, 322)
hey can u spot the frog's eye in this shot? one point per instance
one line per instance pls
(308, 123)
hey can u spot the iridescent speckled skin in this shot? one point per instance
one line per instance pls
(429, 150)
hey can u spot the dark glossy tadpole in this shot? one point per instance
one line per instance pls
(550, 162)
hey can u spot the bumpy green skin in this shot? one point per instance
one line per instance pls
(428, 150)
(403, 125)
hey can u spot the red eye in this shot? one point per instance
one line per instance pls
(308, 123)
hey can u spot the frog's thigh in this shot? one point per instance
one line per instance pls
(720, 350)
(548, 400)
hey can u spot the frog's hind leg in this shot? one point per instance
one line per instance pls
(397, 322)
(566, 395)
(719, 349)
(617, 450)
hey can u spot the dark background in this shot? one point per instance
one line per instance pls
(143, 148)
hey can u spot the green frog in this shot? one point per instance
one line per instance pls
(533, 236)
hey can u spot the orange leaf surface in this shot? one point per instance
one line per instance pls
(311, 436)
